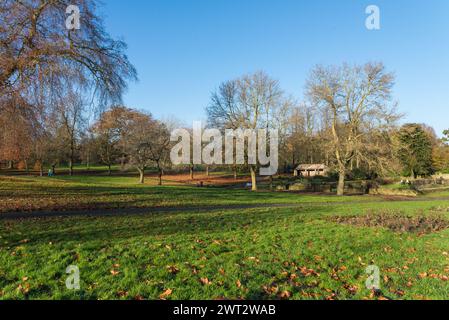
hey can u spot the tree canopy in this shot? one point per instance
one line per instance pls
(415, 150)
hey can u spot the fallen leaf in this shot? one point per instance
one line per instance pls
(423, 275)
(122, 294)
(165, 294)
(172, 269)
(285, 294)
(114, 272)
(205, 281)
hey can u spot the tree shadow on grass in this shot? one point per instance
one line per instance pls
(166, 226)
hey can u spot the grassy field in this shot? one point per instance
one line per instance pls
(318, 248)
(94, 192)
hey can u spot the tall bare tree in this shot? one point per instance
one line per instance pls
(356, 100)
(35, 42)
(248, 102)
(69, 114)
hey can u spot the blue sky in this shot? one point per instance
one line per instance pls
(183, 49)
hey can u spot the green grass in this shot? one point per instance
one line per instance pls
(94, 192)
(398, 186)
(267, 253)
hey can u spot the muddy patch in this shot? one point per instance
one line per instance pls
(397, 222)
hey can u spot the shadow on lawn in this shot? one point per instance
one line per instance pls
(123, 228)
(166, 191)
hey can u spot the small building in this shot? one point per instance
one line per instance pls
(311, 170)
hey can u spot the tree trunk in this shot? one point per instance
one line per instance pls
(341, 183)
(122, 163)
(27, 169)
(10, 165)
(160, 178)
(253, 179)
(191, 172)
(142, 175)
(71, 166)
(207, 171)
(109, 169)
(235, 172)
(72, 153)
(271, 182)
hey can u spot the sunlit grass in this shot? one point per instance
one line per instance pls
(259, 253)
(250, 254)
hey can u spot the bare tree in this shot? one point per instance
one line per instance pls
(35, 43)
(159, 148)
(248, 103)
(69, 115)
(356, 100)
(147, 141)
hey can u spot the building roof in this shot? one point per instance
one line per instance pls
(304, 167)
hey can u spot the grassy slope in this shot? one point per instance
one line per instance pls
(257, 253)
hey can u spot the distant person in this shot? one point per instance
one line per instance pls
(51, 172)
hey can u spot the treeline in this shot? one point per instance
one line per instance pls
(347, 121)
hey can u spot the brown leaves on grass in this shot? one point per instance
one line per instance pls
(114, 272)
(24, 288)
(173, 269)
(284, 294)
(255, 259)
(396, 221)
(205, 281)
(271, 289)
(165, 294)
(425, 275)
(352, 289)
(122, 294)
(308, 272)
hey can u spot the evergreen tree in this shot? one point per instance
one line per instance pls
(415, 150)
